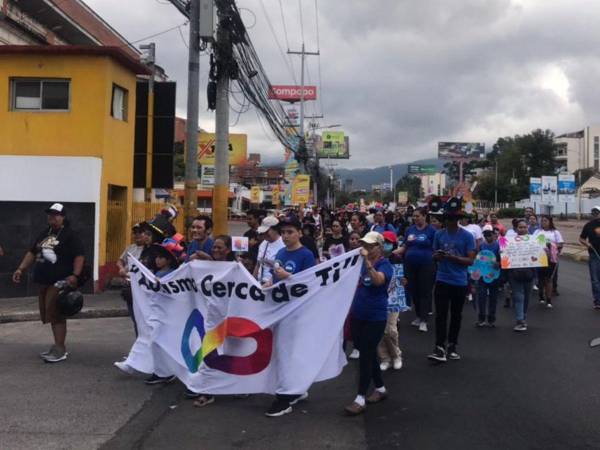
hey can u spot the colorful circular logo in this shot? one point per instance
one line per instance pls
(236, 327)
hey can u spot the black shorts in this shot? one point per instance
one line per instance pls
(545, 273)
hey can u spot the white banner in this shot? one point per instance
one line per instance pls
(284, 338)
(549, 190)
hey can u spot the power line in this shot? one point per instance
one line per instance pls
(301, 19)
(262, 4)
(287, 42)
(158, 34)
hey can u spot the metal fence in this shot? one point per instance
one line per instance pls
(118, 236)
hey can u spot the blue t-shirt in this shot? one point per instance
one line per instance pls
(370, 301)
(459, 243)
(494, 247)
(381, 228)
(294, 261)
(195, 246)
(419, 245)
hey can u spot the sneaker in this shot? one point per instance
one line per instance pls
(55, 355)
(124, 367)
(491, 324)
(376, 396)
(155, 379)
(439, 354)
(397, 364)
(279, 408)
(423, 327)
(481, 324)
(191, 394)
(470, 298)
(416, 322)
(47, 352)
(355, 354)
(520, 326)
(542, 301)
(549, 305)
(299, 398)
(452, 353)
(535, 288)
(596, 306)
(384, 366)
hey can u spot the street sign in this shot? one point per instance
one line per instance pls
(422, 169)
(292, 93)
(207, 175)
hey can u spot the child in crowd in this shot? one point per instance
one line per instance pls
(488, 292)
(388, 350)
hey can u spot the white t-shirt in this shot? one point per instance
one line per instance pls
(510, 233)
(475, 231)
(267, 251)
(553, 236)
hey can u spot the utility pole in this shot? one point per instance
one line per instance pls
(221, 188)
(303, 53)
(191, 141)
(392, 188)
(149, 58)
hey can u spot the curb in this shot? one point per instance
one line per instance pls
(98, 313)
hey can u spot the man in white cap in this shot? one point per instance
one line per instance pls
(590, 238)
(267, 249)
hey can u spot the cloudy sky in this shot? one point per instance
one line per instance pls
(401, 75)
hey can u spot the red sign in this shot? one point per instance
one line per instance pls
(292, 93)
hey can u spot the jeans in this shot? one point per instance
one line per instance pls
(487, 294)
(594, 265)
(419, 289)
(448, 297)
(521, 291)
(366, 336)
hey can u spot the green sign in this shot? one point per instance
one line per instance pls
(422, 169)
(334, 145)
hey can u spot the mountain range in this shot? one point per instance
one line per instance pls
(365, 178)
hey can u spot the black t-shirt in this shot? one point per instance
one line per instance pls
(148, 257)
(252, 249)
(309, 243)
(335, 246)
(591, 232)
(54, 253)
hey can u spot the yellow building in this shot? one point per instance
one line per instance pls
(67, 125)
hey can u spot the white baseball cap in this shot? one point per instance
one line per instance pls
(267, 223)
(372, 237)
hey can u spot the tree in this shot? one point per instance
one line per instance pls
(178, 161)
(516, 159)
(412, 185)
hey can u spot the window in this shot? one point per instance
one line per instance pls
(120, 97)
(42, 95)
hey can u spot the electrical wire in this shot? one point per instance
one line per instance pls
(287, 42)
(283, 55)
(160, 33)
(182, 37)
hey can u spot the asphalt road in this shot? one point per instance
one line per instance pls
(536, 390)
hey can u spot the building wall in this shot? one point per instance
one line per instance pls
(87, 129)
(31, 183)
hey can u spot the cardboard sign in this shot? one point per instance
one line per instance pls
(239, 244)
(526, 251)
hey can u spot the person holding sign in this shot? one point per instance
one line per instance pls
(554, 245)
(521, 282)
(454, 250)
(369, 318)
(590, 238)
(487, 288)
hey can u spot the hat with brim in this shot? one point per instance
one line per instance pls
(57, 209)
(453, 209)
(290, 222)
(267, 223)
(596, 208)
(165, 253)
(372, 237)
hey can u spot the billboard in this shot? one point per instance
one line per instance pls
(460, 150)
(207, 175)
(403, 197)
(238, 149)
(275, 192)
(292, 115)
(418, 169)
(535, 189)
(566, 188)
(288, 93)
(549, 190)
(255, 192)
(334, 145)
(301, 189)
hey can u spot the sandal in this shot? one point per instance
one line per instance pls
(204, 400)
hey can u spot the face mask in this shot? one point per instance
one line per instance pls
(387, 248)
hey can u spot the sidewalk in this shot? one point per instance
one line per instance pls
(24, 309)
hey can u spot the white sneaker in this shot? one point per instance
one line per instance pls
(416, 322)
(397, 364)
(470, 297)
(355, 354)
(535, 288)
(124, 367)
(384, 366)
(423, 327)
(549, 305)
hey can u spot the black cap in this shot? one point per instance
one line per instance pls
(56, 208)
(290, 221)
